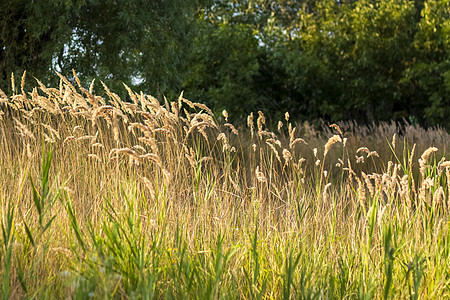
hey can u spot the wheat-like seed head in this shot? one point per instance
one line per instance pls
(273, 141)
(24, 131)
(291, 133)
(336, 127)
(373, 153)
(260, 175)
(394, 139)
(205, 108)
(274, 150)
(152, 157)
(297, 140)
(286, 155)
(332, 140)
(260, 121)
(426, 154)
(404, 190)
(423, 159)
(280, 125)
(232, 128)
(225, 115)
(250, 121)
(325, 195)
(13, 85)
(363, 149)
(22, 82)
(412, 156)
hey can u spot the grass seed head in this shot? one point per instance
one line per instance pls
(225, 115)
(260, 175)
(424, 158)
(332, 140)
(337, 128)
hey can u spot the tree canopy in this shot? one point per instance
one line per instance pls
(133, 41)
(334, 59)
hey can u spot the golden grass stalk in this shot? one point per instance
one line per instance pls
(225, 115)
(22, 83)
(332, 140)
(286, 156)
(280, 125)
(394, 140)
(13, 85)
(23, 130)
(232, 128)
(373, 153)
(274, 150)
(424, 158)
(260, 121)
(273, 141)
(363, 149)
(297, 140)
(337, 128)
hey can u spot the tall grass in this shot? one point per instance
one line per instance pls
(107, 198)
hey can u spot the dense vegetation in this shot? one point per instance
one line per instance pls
(364, 60)
(142, 200)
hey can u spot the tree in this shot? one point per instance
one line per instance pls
(366, 60)
(133, 41)
(427, 79)
(222, 67)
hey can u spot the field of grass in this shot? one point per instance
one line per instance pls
(105, 198)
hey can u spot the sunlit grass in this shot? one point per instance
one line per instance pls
(106, 198)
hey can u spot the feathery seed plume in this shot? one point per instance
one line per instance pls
(260, 175)
(232, 128)
(331, 141)
(335, 126)
(225, 115)
(280, 125)
(286, 155)
(423, 159)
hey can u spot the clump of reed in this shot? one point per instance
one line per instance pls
(131, 198)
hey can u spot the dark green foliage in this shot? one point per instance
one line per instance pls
(115, 41)
(365, 60)
(222, 67)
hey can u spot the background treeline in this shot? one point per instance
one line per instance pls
(363, 60)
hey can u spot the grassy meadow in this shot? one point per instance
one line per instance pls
(105, 198)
